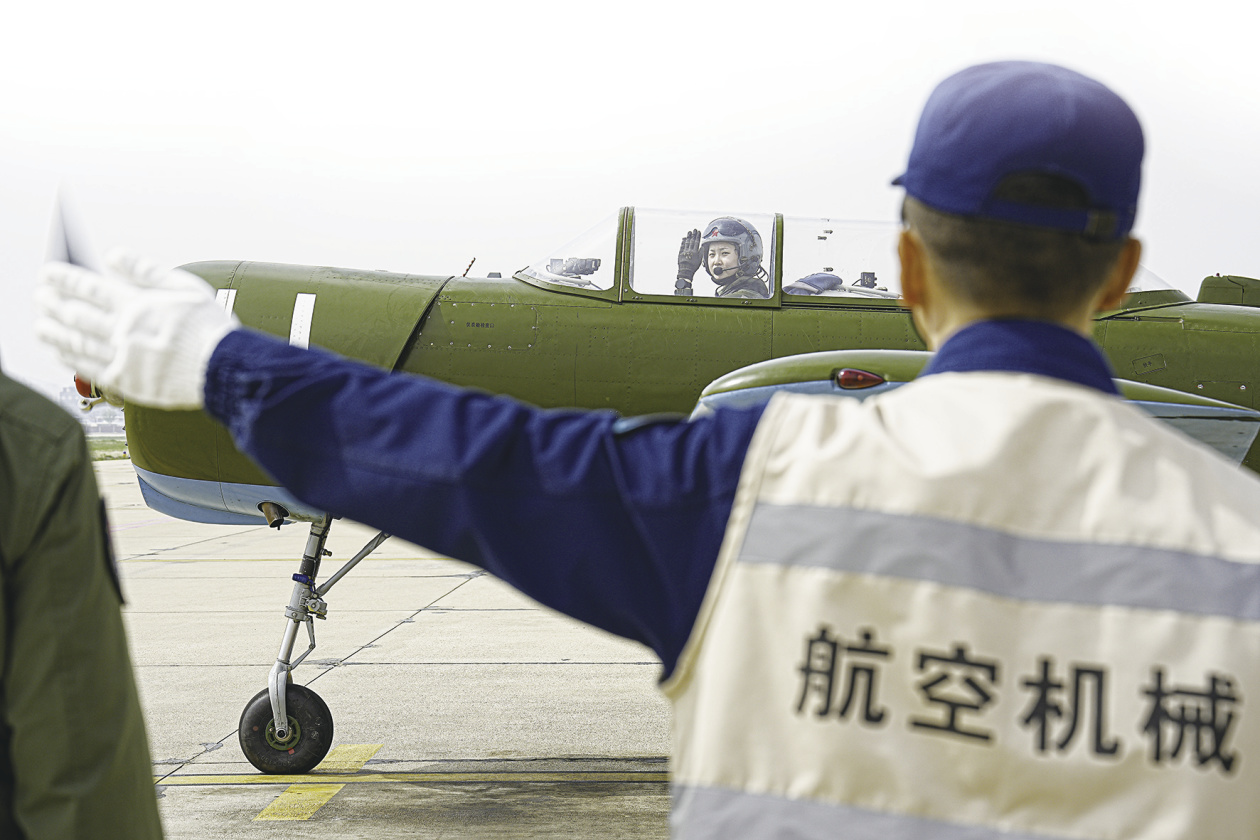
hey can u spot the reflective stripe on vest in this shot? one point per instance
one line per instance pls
(911, 632)
(710, 814)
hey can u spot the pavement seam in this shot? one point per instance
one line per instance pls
(156, 555)
(408, 620)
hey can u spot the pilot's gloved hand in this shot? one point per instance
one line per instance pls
(689, 257)
(138, 330)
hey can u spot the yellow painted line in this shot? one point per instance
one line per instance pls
(347, 758)
(378, 778)
(299, 802)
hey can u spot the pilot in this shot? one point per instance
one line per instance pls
(997, 602)
(730, 250)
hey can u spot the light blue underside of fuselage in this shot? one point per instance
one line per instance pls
(216, 502)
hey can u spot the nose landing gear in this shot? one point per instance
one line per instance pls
(287, 728)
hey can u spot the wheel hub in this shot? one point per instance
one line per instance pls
(295, 735)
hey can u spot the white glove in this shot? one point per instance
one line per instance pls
(142, 331)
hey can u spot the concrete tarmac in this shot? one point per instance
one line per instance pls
(461, 708)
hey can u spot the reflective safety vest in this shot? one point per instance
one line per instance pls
(986, 605)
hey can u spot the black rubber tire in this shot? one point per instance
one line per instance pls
(311, 732)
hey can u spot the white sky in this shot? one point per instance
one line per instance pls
(416, 136)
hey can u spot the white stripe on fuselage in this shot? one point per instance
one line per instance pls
(303, 312)
(226, 299)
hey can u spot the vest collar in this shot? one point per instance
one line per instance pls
(1017, 346)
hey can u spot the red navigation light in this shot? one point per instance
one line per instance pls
(84, 387)
(852, 379)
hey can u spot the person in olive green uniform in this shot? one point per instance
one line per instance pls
(74, 758)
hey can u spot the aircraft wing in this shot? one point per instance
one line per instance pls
(1229, 429)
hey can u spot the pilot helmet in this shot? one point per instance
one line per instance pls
(738, 232)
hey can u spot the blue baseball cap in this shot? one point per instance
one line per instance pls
(991, 121)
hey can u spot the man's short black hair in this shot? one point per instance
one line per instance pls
(1011, 269)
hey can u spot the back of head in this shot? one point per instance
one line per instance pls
(1023, 184)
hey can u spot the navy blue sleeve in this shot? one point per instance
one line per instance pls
(618, 529)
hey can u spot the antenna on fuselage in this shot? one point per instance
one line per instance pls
(465, 274)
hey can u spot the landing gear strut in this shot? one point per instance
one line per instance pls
(287, 728)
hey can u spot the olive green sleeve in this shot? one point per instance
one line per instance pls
(78, 755)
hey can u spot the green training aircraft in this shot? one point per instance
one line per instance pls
(600, 323)
(606, 322)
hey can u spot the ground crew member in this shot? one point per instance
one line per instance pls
(74, 759)
(999, 602)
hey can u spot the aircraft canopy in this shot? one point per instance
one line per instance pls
(821, 257)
